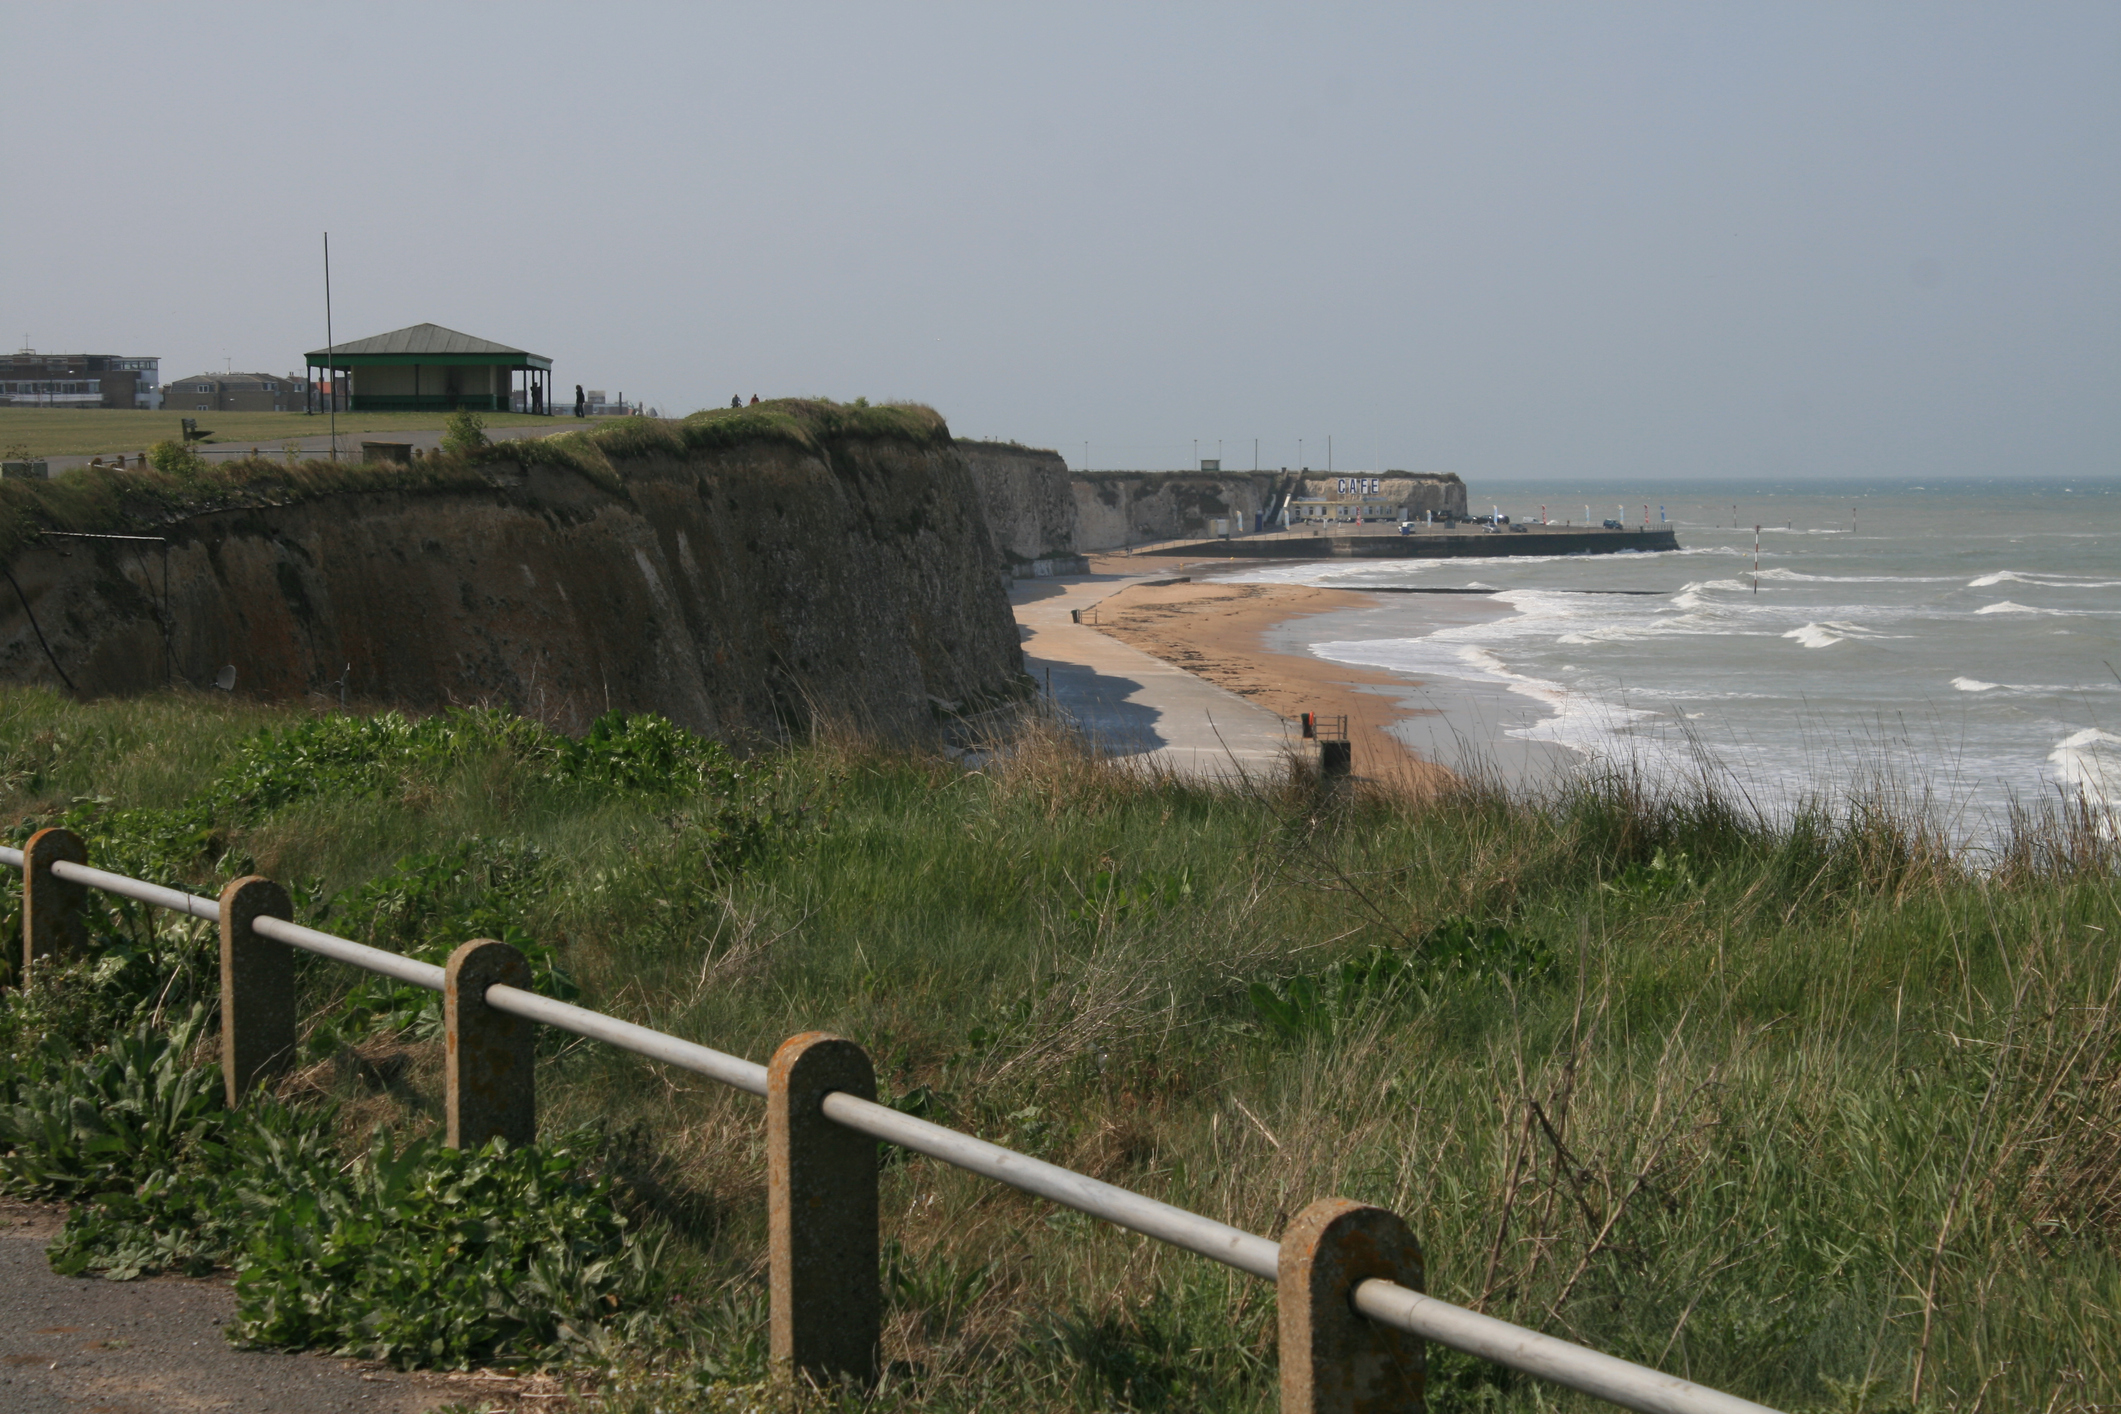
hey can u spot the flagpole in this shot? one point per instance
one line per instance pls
(331, 352)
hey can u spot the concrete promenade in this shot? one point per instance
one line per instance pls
(1133, 705)
(74, 1344)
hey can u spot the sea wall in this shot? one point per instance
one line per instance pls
(1428, 545)
(747, 575)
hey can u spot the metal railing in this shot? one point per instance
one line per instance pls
(1348, 1276)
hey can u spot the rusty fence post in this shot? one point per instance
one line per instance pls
(257, 988)
(1334, 1360)
(492, 1058)
(52, 925)
(827, 1300)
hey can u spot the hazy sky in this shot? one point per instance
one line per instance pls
(1510, 241)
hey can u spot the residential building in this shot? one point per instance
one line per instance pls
(238, 392)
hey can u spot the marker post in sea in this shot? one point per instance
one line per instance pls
(1756, 559)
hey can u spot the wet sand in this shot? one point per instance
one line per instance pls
(1219, 632)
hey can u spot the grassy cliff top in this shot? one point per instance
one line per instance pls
(990, 444)
(106, 499)
(1264, 473)
(66, 432)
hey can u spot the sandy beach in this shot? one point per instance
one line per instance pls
(1218, 632)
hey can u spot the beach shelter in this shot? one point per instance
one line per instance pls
(426, 368)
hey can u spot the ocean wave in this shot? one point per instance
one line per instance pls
(2090, 763)
(1800, 577)
(1828, 632)
(2041, 581)
(2005, 606)
(2035, 689)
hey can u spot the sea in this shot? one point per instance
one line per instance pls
(1953, 645)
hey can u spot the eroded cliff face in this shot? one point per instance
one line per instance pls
(1026, 498)
(1118, 508)
(745, 591)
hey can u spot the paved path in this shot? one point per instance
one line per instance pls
(81, 1345)
(1134, 705)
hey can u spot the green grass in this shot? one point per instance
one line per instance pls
(64, 432)
(1798, 1111)
(104, 499)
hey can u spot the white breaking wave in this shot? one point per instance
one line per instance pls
(2041, 581)
(2005, 606)
(1833, 631)
(1799, 576)
(1975, 685)
(2090, 763)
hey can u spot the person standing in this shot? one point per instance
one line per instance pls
(736, 400)
(581, 404)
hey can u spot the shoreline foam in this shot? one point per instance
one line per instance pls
(1217, 632)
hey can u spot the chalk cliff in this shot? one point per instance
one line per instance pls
(745, 573)
(1116, 508)
(1025, 496)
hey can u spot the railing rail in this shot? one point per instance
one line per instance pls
(1341, 1312)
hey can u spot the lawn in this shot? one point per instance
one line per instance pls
(1809, 1111)
(61, 432)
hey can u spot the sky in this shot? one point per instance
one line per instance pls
(1511, 241)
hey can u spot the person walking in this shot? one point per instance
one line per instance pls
(581, 404)
(736, 400)
(754, 399)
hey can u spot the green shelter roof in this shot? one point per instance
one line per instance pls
(423, 343)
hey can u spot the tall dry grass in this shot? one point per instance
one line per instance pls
(1815, 1108)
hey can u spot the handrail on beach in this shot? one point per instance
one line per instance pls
(1348, 1276)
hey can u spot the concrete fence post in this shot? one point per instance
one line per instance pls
(827, 1301)
(257, 989)
(1334, 1360)
(492, 1059)
(52, 925)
